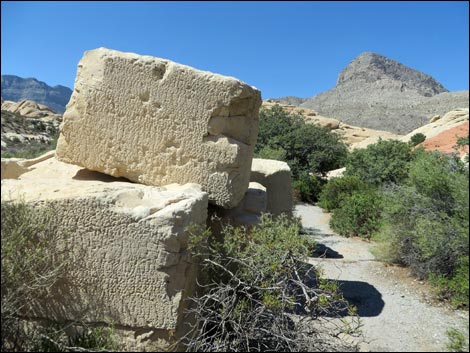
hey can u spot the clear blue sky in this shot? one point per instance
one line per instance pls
(283, 48)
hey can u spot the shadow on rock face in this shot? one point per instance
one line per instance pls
(85, 174)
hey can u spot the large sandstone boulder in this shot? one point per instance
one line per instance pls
(128, 258)
(157, 122)
(276, 177)
(450, 120)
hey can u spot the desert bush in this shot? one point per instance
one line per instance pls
(358, 215)
(382, 162)
(416, 139)
(271, 153)
(462, 141)
(256, 293)
(33, 260)
(31, 149)
(429, 223)
(337, 190)
(457, 341)
(440, 177)
(307, 188)
(308, 149)
(29, 264)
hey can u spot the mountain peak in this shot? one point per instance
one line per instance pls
(16, 88)
(370, 67)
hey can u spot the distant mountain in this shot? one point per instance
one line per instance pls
(376, 92)
(291, 100)
(16, 88)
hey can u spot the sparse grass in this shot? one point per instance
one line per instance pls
(457, 341)
(29, 150)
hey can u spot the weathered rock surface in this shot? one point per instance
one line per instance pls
(12, 168)
(450, 120)
(275, 176)
(128, 261)
(157, 122)
(29, 109)
(379, 93)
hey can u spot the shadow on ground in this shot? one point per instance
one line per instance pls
(315, 232)
(323, 251)
(364, 296)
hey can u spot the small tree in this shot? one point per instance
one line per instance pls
(382, 162)
(416, 139)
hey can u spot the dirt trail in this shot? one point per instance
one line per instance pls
(395, 309)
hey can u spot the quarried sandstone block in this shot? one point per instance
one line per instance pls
(126, 244)
(157, 122)
(276, 177)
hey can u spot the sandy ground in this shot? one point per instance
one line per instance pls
(397, 312)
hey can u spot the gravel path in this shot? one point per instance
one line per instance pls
(396, 310)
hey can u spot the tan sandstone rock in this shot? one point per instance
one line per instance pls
(29, 109)
(157, 122)
(247, 213)
(276, 177)
(12, 168)
(128, 258)
(450, 120)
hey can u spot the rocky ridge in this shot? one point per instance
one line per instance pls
(16, 88)
(379, 93)
(27, 122)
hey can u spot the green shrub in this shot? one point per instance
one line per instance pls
(30, 150)
(359, 214)
(456, 286)
(307, 188)
(73, 338)
(271, 153)
(29, 264)
(457, 341)
(382, 162)
(252, 282)
(337, 190)
(416, 139)
(440, 177)
(422, 236)
(429, 223)
(462, 141)
(308, 149)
